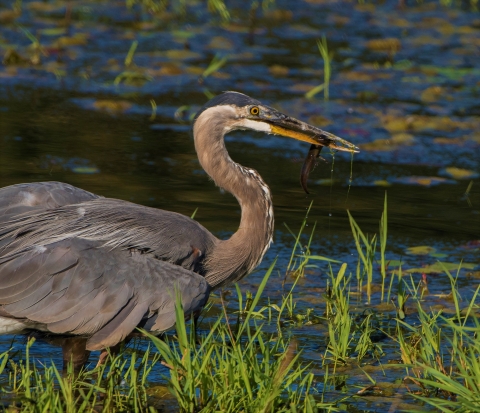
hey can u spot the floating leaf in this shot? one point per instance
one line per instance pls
(396, 141)
(8, 16)
(403, 64)
(159, 392)
(446, 28)
(381, 182)
(42, 6)
(441, 267)
(319, 120)
(278, 70)
(181, 54)
(459, 173)
(439, 255)
(112, 106)
(367, 96)
(220, 75)
(394, 20)
(169, 69)
(432, 94)
(85, 169)
(238, 28)
(12, 57)
(395, 123)
(132, 78)
(326, 181)
(391, 45)
(453, 73)
(279, 15)
(423, 180)
(359, 76)
(53, 31)
(301, 87)
(220, 42)
(450, 141)
(426, 40)
(182, 34)
(420, 250)
(394, 263)
(339, 20)
(193, 70)
(79, 39)
(385, 307)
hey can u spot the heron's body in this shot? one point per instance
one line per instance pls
(74, 263)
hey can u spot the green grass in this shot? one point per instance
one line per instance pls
(327, 70)
(118, 386)
(237, 368)
(249, 359)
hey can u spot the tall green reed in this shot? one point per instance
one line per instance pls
(246, 371)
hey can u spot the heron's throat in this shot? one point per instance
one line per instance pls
(236, 257)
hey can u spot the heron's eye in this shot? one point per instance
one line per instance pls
(254, 110)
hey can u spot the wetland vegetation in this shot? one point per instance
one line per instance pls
(360, 306)
(249, 360)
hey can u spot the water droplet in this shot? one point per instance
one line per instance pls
(329, 214)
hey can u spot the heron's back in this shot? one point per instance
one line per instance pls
(72, 262)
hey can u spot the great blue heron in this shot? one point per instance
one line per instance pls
(79, 265)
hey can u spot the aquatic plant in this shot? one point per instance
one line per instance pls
(118, 385)
(243, 369)
(327, 58)
(251, 361)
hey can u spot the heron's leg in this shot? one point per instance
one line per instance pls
(196, 316)
(114, 350)
(74, 351)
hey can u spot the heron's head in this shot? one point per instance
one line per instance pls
(232, 110)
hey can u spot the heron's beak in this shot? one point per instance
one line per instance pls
(293, 128)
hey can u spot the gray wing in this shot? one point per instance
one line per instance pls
(81, 287)
(17, 199)
(48, 212)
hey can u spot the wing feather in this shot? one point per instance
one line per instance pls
(79, 286)
(21, 198)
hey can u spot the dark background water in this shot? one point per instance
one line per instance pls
(405, 87)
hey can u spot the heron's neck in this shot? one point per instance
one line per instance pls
(236, 257)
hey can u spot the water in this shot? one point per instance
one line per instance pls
(410, 104)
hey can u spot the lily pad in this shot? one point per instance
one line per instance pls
(381, 182)
(396, 141)
(85, 169)
(278, 70)
(53, 31)
(79, 39)
(432, 94)
(423, 180)
(420, 250)
(459, 173)
(326, 181)
(181, 54)
(112, 106)
(441, 267)
(220, 42)
(391, 45)
(319, 120)
(397, 123)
